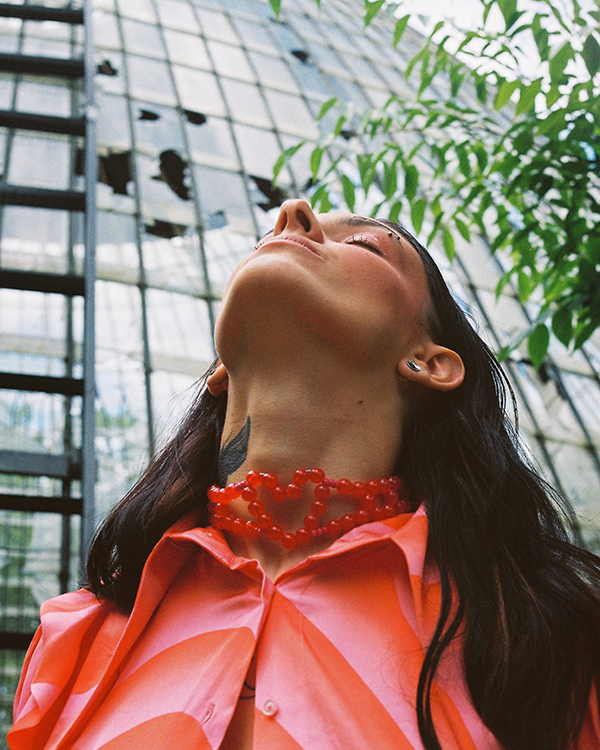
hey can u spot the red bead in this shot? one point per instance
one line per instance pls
(344, 486)
(384, 485)
(389, 511)
(300, 477)
(217, 522)
(303, 536)
(269, 480)
(239, 486)
(221, 510)
(318, 507)
(404, 506)
(311, 522)
(249, 494)
(373, 487)
(215, 493)
(252, 529)
(293, 491)
(275, 533)
(238, 526)
(395, 483)
(333, 528)
(264, 521)
(322, 492)
(362, 516)
(391, 498)
(347, 522)
(230, 492)
(254, 478)
(368, 502)
(288, 541)
(278, 493)
(358, 489)
(256, 508)
(317, 475)
(378, 514)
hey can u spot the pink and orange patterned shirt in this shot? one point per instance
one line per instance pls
(338, 639)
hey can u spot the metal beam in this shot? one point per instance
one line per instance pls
(42, 66)
(66, 506)
(43, 123)
(23, 195)
(70, 285)
(31, 12)
(17, 381)
(39, 464)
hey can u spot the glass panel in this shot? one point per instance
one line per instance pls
(113, 122)
(7, 84)
(150, 80)
(172, 395)
(33, 45)
(199, 91)
(111, 69)
(217, 26)
(157, 128)
(178, 15)
(43, 98)
(222, 194)
(230, 61)
(50, 155)
(106, 32)
(187, 50)
(34, 239)
(117, 256)
(245, 103)
(224, 249)
(142, 38)
(10, 28)
(272, 71)
(174, 265)
(291, 114)
(157, 188)
(140, 9)
(212, 144)
(259, 150)
(253, 36)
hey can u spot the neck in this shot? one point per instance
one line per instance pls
(351, 428)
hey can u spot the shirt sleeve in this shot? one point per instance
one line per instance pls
(74, 632)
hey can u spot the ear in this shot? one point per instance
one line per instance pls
(218, 381)
(440, 368)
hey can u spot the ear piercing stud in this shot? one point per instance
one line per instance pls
(413, 365)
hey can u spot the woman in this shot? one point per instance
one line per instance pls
(376, 567)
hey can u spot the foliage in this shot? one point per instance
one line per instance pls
(510, 155)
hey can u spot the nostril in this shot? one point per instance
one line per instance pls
(304, 220)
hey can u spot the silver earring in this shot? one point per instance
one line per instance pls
(413, 365)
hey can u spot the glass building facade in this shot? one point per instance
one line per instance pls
(195, 100)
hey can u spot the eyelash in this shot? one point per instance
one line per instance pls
(358, 239)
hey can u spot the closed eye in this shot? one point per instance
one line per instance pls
(364, 241)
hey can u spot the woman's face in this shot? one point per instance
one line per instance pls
(348, 280)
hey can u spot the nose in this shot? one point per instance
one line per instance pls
(297, 217)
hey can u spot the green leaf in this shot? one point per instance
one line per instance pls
(537, 345)
(394, 213)
(528, 96)
(562, 325)
(326, 107)
(591, 54)
(481, 89)
(411, 181)
(348, 191)
(417, 213)
(399, 29)
(504, 93)
(315, 160)
(371, 10)
(462, 228)
(390, 180)
(448, 243)
(559, 62)
(276, 5)
(284, 157)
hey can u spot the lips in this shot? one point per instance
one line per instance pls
(290, 238)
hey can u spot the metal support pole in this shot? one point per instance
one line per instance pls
(91, 175)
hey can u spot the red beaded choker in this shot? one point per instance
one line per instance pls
(366, 492)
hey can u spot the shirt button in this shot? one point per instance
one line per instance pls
(270, 708)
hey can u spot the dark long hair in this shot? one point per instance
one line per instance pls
(524, 597)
